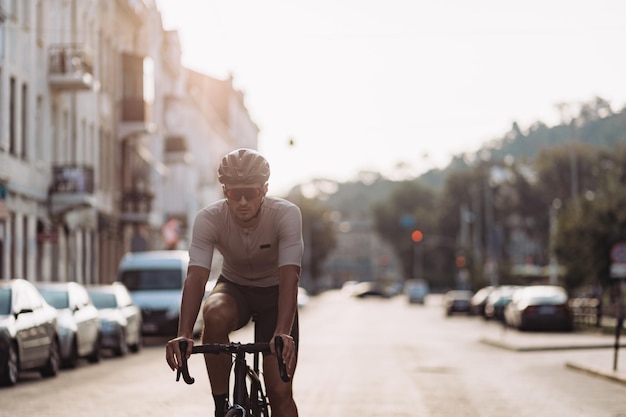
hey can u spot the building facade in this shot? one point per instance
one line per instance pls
(107, 144)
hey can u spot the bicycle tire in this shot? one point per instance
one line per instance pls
(234, 412)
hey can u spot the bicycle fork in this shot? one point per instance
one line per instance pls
(241, 372)
(255, 399)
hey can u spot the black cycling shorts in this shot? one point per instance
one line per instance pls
(259, 304)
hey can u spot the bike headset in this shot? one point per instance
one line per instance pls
(244, 166)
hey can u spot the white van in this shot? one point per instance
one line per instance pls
(155, 281)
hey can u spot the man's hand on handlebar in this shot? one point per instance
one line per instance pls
(288, 352)
(173, 355)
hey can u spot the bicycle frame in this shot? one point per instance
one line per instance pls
(252, 403)
(255, 399)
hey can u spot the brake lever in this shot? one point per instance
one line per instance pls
(278, 346)
(184, 368)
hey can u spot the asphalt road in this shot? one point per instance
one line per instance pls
(359, 357)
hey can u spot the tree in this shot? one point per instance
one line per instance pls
(588, 230)
(318, 234)
(566, 171)
(411, 205)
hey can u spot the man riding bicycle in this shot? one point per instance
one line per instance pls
(260, 239)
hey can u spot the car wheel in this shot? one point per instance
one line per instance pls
(122, 346)
(94, 356)
(54, 360)
(136, 347)
(11, 368)
(72, 360)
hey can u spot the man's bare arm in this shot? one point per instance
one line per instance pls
(193, 292)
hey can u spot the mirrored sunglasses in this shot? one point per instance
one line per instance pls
(235, 194)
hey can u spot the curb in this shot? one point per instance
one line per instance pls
(610, 375)
(529, 348)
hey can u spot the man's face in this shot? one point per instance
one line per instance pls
(244, 200)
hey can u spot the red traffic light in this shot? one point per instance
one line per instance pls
(417, 236)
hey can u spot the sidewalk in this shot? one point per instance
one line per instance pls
(596, 354)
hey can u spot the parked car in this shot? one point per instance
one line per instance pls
(155, 281)
(479, 300)
(369, 289)
(416, 290)
(540, 307)
(28, 332)
(79, 324)
(497, 301)
(120, 318)
(457, 301)
(349, 288)
(303, 297)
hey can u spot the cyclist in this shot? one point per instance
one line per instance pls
(260, 239)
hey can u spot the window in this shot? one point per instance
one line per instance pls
(12, 250)
(12, 138)
(167, 279)
(56, 298)
(38, 149)
(25, 14)
(2, 141)
(25, 238)
(39, 22)
(11, 8)
(103, 300)
(24, 123)
(5, 301)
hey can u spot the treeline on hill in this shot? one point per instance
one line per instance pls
(545, 194)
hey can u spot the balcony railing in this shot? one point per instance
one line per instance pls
(72, 188)
(70, 67)
(138, 95)
(137, 205)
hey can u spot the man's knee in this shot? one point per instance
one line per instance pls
(219, 313)
(280, 393)
(276, 388)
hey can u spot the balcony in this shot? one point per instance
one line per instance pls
(137, 204)
(135, 109)
(70, 68)
(136, 10)
(72, 188)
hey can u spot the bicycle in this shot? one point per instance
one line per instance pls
(248, 397)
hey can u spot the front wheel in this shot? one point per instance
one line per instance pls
(94, 356)
(11, 367)
(72, 360)
(136, 347)
(122, 347)
(234, 412)
(53, 364)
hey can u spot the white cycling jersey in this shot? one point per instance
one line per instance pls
(251, 255)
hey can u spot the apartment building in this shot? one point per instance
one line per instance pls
(106, 141)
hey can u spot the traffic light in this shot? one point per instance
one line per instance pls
(460, 261)
(417, 236)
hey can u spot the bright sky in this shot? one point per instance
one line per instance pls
(371, 84)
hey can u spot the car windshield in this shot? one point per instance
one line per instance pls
(153, 279)
(546, 295)
(103, 300)
(56, 298)
(5, 301)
